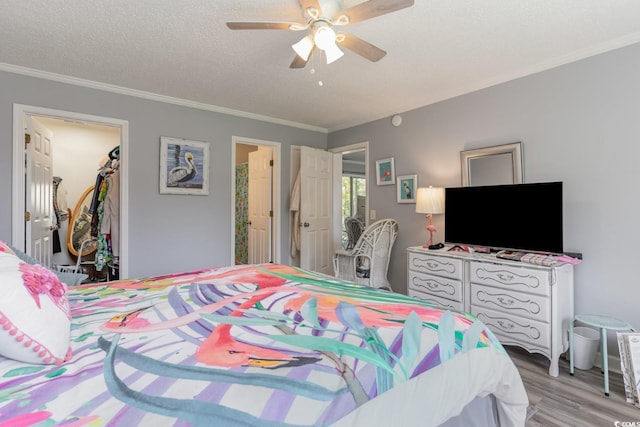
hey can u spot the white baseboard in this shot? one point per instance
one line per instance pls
(614, 362)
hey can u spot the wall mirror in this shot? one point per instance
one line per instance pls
(496, 165)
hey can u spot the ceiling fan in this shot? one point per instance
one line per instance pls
(320, 23)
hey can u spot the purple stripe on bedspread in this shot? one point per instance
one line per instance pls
(206, 294)
(132, 416)
(214, 392)
(280, 401)
(181, 307)
(48, 388)
(429, 361)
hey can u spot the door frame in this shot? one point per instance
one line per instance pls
(276, 249)
(337, 187)
(19, 182)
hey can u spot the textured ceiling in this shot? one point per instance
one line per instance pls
(182, 49)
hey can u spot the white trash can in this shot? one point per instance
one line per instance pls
(585, 346)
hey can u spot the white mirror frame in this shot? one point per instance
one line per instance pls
(514, 149)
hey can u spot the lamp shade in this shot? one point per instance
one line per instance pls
(304, 47)
(333, 53)
(430, 200)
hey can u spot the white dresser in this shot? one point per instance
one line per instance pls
(526, 305)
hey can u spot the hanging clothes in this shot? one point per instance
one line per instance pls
(111, 217)
(105, 209)
(60, 206)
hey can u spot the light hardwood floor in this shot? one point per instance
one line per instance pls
(567, 400)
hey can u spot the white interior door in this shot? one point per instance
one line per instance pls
(260, 205)
(38, 193)
(316, 249)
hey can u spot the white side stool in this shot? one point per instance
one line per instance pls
(603, 323)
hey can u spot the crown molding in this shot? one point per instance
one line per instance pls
(152, 96)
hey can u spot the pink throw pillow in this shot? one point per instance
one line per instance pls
(35, 322)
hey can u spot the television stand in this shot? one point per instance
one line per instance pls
(525, 305)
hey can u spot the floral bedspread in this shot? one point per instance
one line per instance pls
(266, 345)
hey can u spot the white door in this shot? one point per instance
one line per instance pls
(260, 205)
(38, 192)
(316, 249)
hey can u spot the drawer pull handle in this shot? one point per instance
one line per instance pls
(505, 325)
(505, 277)
(505, 301)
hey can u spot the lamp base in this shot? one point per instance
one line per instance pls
(431, 229)
(436, 246)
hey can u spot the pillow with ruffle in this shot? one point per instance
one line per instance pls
(35, 322)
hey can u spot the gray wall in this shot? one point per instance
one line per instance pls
(168, 233)
(579, 123)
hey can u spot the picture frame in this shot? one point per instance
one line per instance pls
(184, 166)
(407, 188)
(385, 172)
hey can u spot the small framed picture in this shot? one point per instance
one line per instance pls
(385, 172)
(407, 188)
(184, 166)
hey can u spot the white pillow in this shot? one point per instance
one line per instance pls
(35, 323)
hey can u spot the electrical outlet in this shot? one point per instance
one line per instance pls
(373, 214)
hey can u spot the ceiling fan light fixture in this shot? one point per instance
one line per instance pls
(324, 37)
(303, 48)
(333, 53)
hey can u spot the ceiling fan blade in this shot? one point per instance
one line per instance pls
(372, 8)
(264, 25)
(310, 4)
(298, 62)
(361, 47)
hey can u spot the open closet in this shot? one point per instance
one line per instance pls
(85, 195)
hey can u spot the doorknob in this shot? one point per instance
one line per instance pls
(306, 224)
(248, 222)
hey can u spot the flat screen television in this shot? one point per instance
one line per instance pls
(523, 217)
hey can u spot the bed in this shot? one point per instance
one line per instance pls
(263, 345)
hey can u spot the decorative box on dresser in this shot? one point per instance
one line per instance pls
(525, 305)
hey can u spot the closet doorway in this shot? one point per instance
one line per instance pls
(78, 145)
(255, 201)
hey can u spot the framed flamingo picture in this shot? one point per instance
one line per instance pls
(184, 166)
(385, 172)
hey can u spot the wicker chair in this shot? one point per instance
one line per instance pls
(354, 228)
(368, 262)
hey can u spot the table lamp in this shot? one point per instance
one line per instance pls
(430, 201)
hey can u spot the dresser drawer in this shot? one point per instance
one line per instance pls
(511, 277)
(441, 302)
(436, 285)
(438, 265)
(515, 328)
(535, 307)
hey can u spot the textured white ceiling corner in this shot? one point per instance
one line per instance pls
(182, 51)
